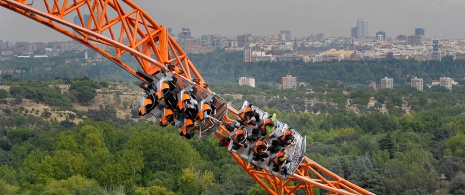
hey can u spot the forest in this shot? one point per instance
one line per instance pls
(390, 141)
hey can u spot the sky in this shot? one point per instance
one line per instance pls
(441, 19)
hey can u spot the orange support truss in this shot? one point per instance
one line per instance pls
(125, 28)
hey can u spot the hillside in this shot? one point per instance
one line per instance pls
(123, 97)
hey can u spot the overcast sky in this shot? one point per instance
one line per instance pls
(440, 18)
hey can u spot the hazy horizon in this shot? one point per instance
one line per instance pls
(441, 19)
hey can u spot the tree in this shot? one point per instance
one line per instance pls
(457, 185)
(387, 143)
(7, 188)
(83, 90)
(73, 185)
(3, 94)
(153, 190)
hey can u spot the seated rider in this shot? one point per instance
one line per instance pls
(280, 161)
(188, 106)
(265, 129)
(259, 150)
(283, 141)
(147, 104)
(166, 117)
(206, 110)
(239, 138)
(249, 116)
(188, 129)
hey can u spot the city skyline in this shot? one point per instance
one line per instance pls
(439, 18)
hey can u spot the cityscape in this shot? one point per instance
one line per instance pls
(360, 45)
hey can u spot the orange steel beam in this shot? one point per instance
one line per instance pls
(126, 28)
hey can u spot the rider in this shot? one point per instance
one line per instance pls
(239, 138)
(147, 104)
(259, 150)
(166, 117)
(188, 129)
(264, 129)
(284, 141)
(249, 116)
(280, 161)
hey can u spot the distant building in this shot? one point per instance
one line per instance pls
(402, 37)
(362, 28)
(459, 56)
(436, 54)
(289, 82)
(380, 36)
(247, 81)
(243, 40)
(446, 82)
(420, 31)
(387, 83)
(353, 32)
(185, 34)
(414, 40)
(77, 21)
(286, 33)
(417, 83)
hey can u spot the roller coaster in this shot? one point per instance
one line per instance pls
(269, 150)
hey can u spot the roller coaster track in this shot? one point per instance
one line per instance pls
(126, 28)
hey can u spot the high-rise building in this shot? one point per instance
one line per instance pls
(380, 35)
(417, 83)
(353, 32)
(286, 33)
(436, 55)
(362, 28)
(247, 81)
(387, 83)
(420, 31)
(243, 40)
(77, 21)
(289, 82)
(446, 82)
(185, 34)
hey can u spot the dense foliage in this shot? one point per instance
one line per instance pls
(416, 153)
(391, 141)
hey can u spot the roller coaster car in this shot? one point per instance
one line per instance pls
(182, 96)
(294, 152)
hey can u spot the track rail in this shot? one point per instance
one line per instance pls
(127, 29)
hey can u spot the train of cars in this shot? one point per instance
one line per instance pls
(265, 142)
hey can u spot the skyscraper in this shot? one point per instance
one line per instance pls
(77, 21)
(420, 31)
(353, 32)
(436, 55)
(185, 34)
(382, 33)
(362, 28)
